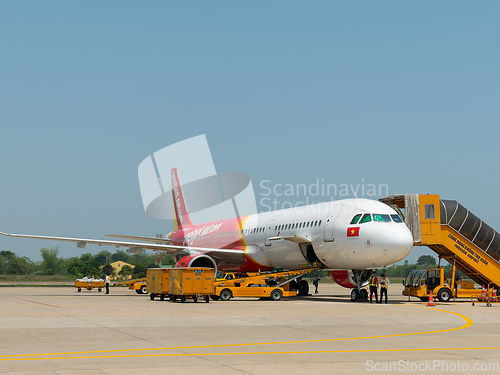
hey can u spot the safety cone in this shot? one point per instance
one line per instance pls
(483, 294)
(494, 295)
(431, 301)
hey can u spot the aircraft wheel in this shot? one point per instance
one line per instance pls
(152, 296)
(303, 288)
(174, 298)
(276, 295)
(354, 295)
(162, 297)
(183, 299)
(207, 299)
(363, 294)
(144, 290)
(444, 295)
(99, 290)
(226, 295)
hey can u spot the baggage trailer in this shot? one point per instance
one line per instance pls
(89, 284)
(157, 283)
(192, 283)
(272, 285)
(138, 285)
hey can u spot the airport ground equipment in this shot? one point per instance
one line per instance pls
(157, 283)
(273, 285)
(420, 283)
(191, 283)
(138, 285)
(89, 284)
(454, 233)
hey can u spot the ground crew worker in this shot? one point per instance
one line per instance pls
(106, 280)
(384, 284)
(373, 286)
(315, 283)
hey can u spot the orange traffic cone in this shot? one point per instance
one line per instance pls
(431, 301)
(494, 295)
(483, 294)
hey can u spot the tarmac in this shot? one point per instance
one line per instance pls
(56, 330)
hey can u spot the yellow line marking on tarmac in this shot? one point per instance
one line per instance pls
(468, 323)
(255, 353)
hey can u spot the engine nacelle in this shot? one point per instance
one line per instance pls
(197, 260)
(346, 278)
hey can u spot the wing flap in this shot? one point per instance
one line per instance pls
(140, 238)
(295, 238)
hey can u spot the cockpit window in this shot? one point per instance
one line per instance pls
(355, 219)
(381, 217)
(366, 218)
(396, 218)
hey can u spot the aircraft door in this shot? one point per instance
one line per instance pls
(268, 233)
(330, 220)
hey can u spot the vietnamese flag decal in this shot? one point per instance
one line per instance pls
(353, 232)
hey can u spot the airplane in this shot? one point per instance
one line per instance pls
(348, 237)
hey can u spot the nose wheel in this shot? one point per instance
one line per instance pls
(354, 295)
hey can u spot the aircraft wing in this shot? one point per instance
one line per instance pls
(135, 247)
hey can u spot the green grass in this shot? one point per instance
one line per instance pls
(49, 278)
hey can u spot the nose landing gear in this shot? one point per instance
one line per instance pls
(358, 293)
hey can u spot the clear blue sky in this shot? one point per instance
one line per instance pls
(398, 93)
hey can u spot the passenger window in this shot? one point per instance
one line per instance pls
(366, 218)
(355, 219)
(319, 223)
(429, 211)
(316, 223)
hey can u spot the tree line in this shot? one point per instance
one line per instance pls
(85, 265)
(99, 264)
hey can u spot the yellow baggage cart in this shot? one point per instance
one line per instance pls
(193, 283)
(157, 283)
(89, 284)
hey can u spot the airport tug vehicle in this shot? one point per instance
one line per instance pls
(138, 285)
(420, 283)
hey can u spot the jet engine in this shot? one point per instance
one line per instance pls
(347, 278)
(197, 260)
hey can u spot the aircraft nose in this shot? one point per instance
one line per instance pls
(397, 242)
